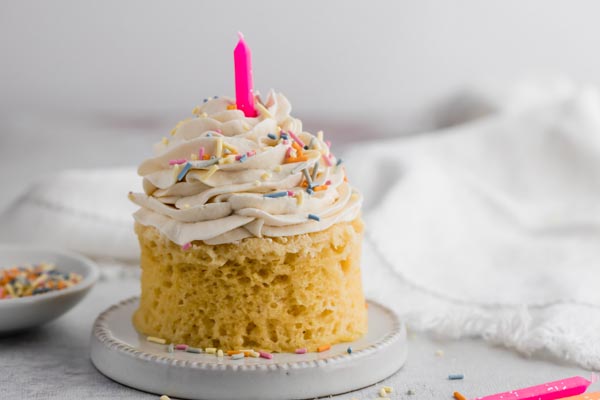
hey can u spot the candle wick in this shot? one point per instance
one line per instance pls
(241, 35)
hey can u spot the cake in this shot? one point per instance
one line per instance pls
(250, 234)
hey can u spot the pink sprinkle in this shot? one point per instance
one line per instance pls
(186, 246)
(328, 143)
(327, 161)
(300, 351)
(290, 193)
(328, 182)
(251, 153)
(288, 152)
(285, 141)
(183, 347)
(177, 162)
(296, 138)
(266, 355)
(218, 131)
(238, 157)
(201, 153)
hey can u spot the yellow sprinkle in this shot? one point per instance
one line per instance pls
(263, 110)
(211, 350)
(230, 147)
(220, 353)
(354, 196)
(175, 170)
(382, 392)
(256, 183)
(165, 141)
(320, 135)
(211, 171)
(164, 397)
(130, 196)
(193, 156)
(156, 340)
(254, 354)
(173, 131)
(265, 176)
(232, 107)
(277, 168)
(299, 197)
(196, 110)
(219, 149)
(186, 206)
(204, 115)
(246, 126)
(388, 389)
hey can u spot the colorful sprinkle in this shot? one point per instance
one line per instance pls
(165, 141)
(454, 377)
(315, 171)
(171, 348)
(272, 136)
(388, 389)
(320, 187)
(194, 350)
(410, 392)
(251, 153)
(186, 246)
(296, 139)
(211, 171)
(307, 177)
(237, 356)
(283, 135)
(29, 280)
(183, 347)
(338, 162)
(220, 353)
(183, 171)
(309, 191)
(349, 350)
(266, 355)
(314, 217)
(164, 397)
(290, 193)
(459, 396)
(211, 350)
(382, 393)
(241, 158)
(276, 194)
(301, 351)
(232, 107)
(154, 339)
(327, 160)
(325, 347)
(219, 148)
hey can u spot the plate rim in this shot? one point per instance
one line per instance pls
(102, 332)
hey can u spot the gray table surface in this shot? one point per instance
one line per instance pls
(52, 362)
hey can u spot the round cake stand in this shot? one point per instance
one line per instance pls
(120, 353)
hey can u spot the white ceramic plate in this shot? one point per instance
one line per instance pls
(123, 355)
(27, 312)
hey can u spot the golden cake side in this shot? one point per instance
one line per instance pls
(276, 294)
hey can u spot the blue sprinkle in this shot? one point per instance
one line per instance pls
(283, 135)
(275, 195)
(314, 217)
(349, 350)
(454, 377)
(309, 191)
(184, 171)
(205, 100)
(271, 136)
(243, 158)
(209, 134)
(305, 147)
(339, 161)
(215, 97)
(213, 157)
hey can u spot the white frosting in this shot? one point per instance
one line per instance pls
(222, 200)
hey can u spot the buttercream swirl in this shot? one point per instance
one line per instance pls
(222, 177)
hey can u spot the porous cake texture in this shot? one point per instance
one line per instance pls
(275, 294)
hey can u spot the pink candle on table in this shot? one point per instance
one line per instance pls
(244, 85)
(547, 391)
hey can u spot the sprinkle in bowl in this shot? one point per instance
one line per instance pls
(19, 313)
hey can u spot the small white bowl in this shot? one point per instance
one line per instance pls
(26, 312)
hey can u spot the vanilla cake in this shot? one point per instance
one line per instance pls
(250, 234)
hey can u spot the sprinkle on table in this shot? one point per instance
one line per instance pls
(349, 350)
(171, 348)
(220, 353)
(30, 280)
(455, 377)
(210, 350)
(388, 389)
(323, 348)
(237, 356)
(164, 397)
(459, 396)
(154, 339)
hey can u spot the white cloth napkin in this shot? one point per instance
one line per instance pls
(490, 228)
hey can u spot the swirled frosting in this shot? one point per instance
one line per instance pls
(222, 177)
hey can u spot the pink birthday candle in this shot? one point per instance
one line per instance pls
(244, 90)
(548, 391)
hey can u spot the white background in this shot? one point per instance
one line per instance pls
(390, 59)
